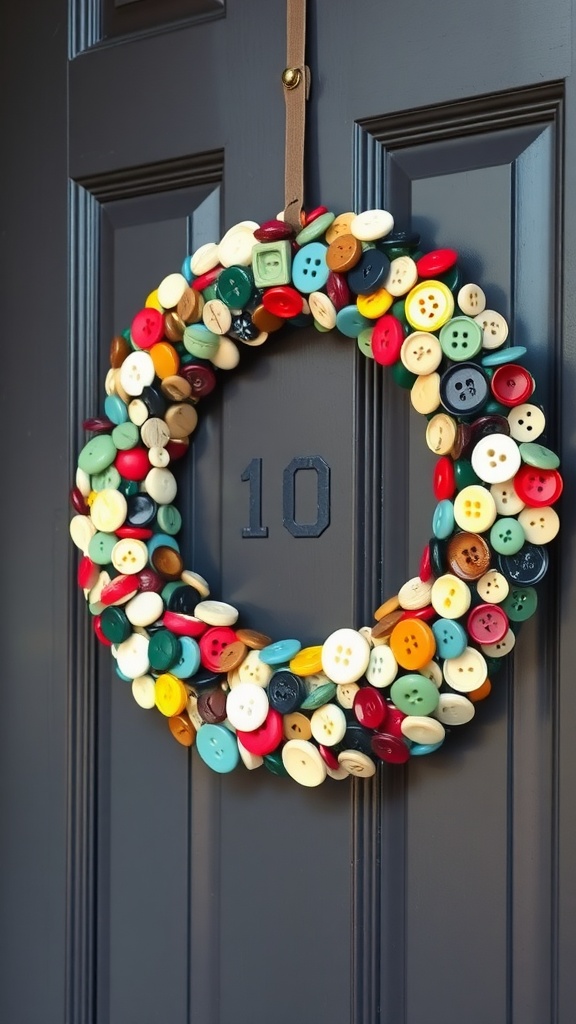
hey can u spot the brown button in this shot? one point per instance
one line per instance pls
(174, 326)
(119, 349)
(176, 388)
(167, 562)
(212, 705)
(264, 320)
(232, 656)
(468, 555)
(385, 625)
(389, 606)
(462, 441)
(190, 306)
(343, 253)
(182, 419)
(182, 729)
(254, 640)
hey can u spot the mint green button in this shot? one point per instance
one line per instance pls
(98, 454)
(209, 292)
(365, 342)
(414, 694)
(200, 342)
(507, 536)
(100, 547)
(317, 698)
(126, 436)
(109, 479)
(537, 455)
(315, 229)
(169, 519)
(271, 263)
(520, 603)
(461, 338)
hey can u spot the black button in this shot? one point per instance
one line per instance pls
(464, 389)
(286, 691)
(369, 273)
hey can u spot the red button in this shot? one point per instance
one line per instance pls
(338, 291)
(436, 262)
(213, 643)
(370, 707)
(205, 280)
(426, 614)
(183, 625)
(98, 631)
(387, 339)
(133, 464)
(273, 231)
(394, 720)
(200, 377)
(78, 502)
(266, 737)
(329, 757)
(150, 580)
(487, 624)
(444, 483)
(390, 748)
(98, 425)
(283, 301)
(119, 589)
(512, 384)
(88, 573)
(538, 487)
(425, 568)
(318, 212)
(147, 328)
(134, 532)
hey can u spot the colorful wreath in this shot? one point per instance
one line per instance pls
(380, 693)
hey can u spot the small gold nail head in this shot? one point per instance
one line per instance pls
(291, 78)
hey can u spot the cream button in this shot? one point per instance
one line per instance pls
(382, 667)
(356, 763)
(226, 356)
(82, 480)
(194, 579)
(433, 672)
(154, 432)
(132, 656)
(345, 656)
(129, 556)
(108, 510)
(508, 503)
(235, 249)
(441, 433)
(161, 485)
(247, 706)
(171, 289)
(494, 328)
(450, 597)
(371, 224)
(216, 613)
(454, 709)
(136, 373)
(345, 693)
(540, 525)
(414, 594)
(337, 773)
(493, 587)
(217, 316)
(474, 509)
(421, 729)
(253, 670)
(296, 726)
(402, 276)
(137, 412)
(496, 458)
(82, 530)
(471, 300)
(328, 725)
(250, 761)
(421, 352)
(467, 672)
(144, 691)
(204, 259)
(303, 762)
(500, 649)
(158, 457)
(144, 608)
(527, 422)
(322, 309)
(425, 393)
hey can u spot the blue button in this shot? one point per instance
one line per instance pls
(443, 519)
(528, 566)
(280, 653)
(286, 691)
(504, 355)
(451, 638)
(187, 270)
(217, 747)
(464, 389)
(189, 661)
(309, 268)
(350, 322)
(421, 749)
(115, 409)
(369, 273)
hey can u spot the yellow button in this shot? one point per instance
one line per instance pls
(170, 694)
(296, 726)
(450, 597)
(153, 302)
(474, 509)
(429, 305)
(375, 304)
(109, 510)
(307, 661)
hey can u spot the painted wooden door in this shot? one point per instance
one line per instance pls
(138, 887)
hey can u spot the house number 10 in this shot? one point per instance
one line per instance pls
(253, 476)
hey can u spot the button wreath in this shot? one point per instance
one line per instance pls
(384, 692)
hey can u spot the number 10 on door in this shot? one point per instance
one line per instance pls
(252, 475)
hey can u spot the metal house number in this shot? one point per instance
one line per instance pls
(253, 476)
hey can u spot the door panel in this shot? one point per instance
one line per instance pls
(141, 886)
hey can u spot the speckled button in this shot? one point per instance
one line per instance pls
(468, 555)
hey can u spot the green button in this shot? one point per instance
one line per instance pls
(315, 229)
(271, 263)
(520, 603)
(98, 454)
(364, 340)
(164, 650)
(109, 479)
(461, 338)
(169, 519)
(401, 376)
(414, 694)
(537, 455)
(452, 278)
(126, 436)
(274, 763)
(398, 309)
(200, 342)
(100, 547)
(464, 475)
(210, 292)
(115, 625)
(128, 488)
(317, 698)
(507, 536)
(169, 589)
(234, 287)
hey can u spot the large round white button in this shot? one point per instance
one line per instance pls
(467, 672)
(357, 763)
(493, 587)
(144, 691)
(414, 594)
(145, 608)
(161, 485)
(371, 224)
(171, 289)
(328, 724)
(303, 762)
(137, 372)
(247, 706)
(495, 458)
(132, 656)
(108, 510)
(345, 656)
(421, 352)
(540, 525)
(421, 729)
(204, 259)
(216, 613)
(402, 276)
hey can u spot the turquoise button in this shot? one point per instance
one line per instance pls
(109, 479)
(520, 603)
(98, 454)
(309, 268)
(126, 436)
(186, 270)
(100, 547)
(414, 694)
(235, 286)
(162, 540)
(537, 455)
(461, 338)
(189, 661)
(169, 519)
(217, 747)
(321, 695)
(115, 409)
(315, 229)
(507, 536)
(280, 653)
(451, 638)
(350, 322)
(443, 519)
(200, 342)
(504, 355)
(421, 749)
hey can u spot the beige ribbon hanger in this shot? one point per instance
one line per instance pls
(296, 82)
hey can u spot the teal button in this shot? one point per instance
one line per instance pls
(162, 540)
(520, 603)
(164, 650)
(317, 698)
(504, 355)
(200, 342)
(443, 519)
(115, 625)
(452, 278)
(350, 322)
(537, 455)
(235, 286)
(461, 338)
(414, 694)
(98, 454)
(421, 749)
(128, 488)
(100, 547)
(169, 519)
(280, 652)
(189, 661)
(126, 436)
(217, 747)
(451, 638)
(399, 311)
(507, 536)
(309, 268)
(109, 479)
(274, 763)
(464, 475)
(115, 409)
(365, 342)
(403, 377)
(315, 229)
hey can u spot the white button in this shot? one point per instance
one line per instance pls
(414, 594)
(402, 276)
(467, 672)
(421, 729)
(158, 457)
(253, 670)
(108, 510)
(527, 422)
(345, 693)
(145, 608)
(247, 706)
(204, 259)
(194, 579)
(540, 525)
(345, 656)
(161, 485)
(441, 433)
(82, 530)
(226, 356)
(236, 247)
(137, 412)
(425, 393)
(372, 224)
(137, 372)
(132, 656)
(421, 352)
(82, 480)
(144, 691)
(502, 648)
(216, 613)
(357, 763)
(250, 761)
(474, 509)
(242, 225)
(303, 762)
(496, 458)
(217, 316)
(328, 725)
(171, 289)
(471, 299)
(492, 587)
(129, 556)
(450, 596)
(382, 667)
(507, 501)
(494, 328)
(454, 709)
(433, 672)
(337, 773)
(322, 309)
(155, 432)
(96, 605)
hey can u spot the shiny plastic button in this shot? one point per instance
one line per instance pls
(464, 389)
(217, 747)
(450, 636)
(345, 656)
(487, 623)
(496, 458)
(527, 567)
(414, 694)
(450, 596)
(468, 555)
(454, 709)
(474, 509)
(505, 498)
(493, 587)
(527, 422)
(461, 338)
(471, 300)
(328, 724)
(494, 328)
(507, 536)
(512, 384)
(538, 487)
(412, 643)
(303, 762)
(466, 672)
(247, 706)
(540, 525)
(429, 305)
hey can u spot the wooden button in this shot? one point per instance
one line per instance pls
(468, 555)
(119, 349)
(383, 628)
(266, 321)
(182, 419)
(232, 656)
(343, 253)
(167, 562)
(253, 639)
(182, 729)
(176, 388)
(190, 306)
(174, 326)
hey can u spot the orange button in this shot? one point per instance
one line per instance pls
(412, 643)
(165, 358)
